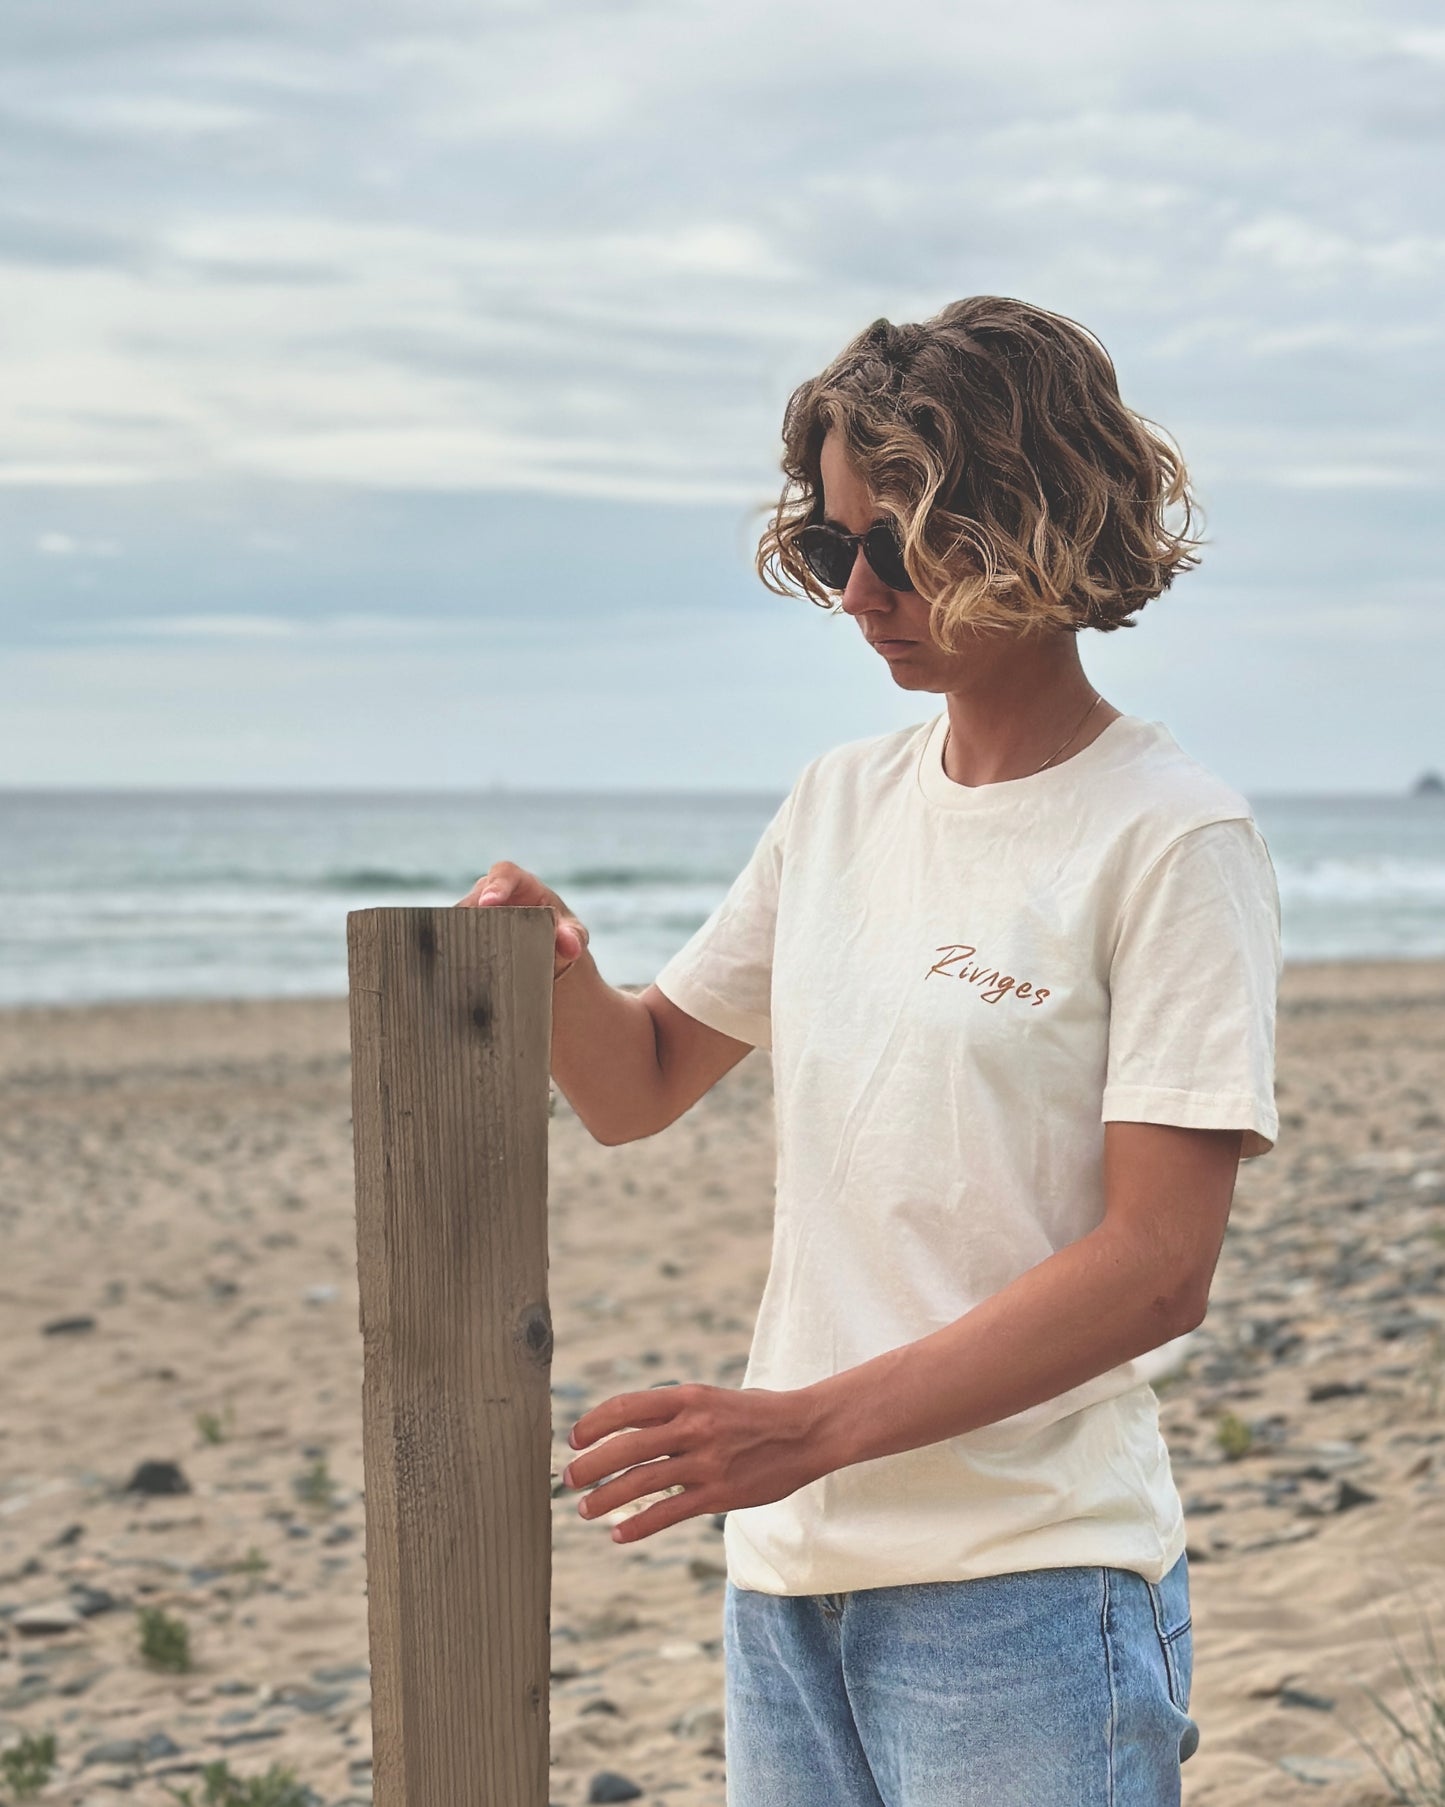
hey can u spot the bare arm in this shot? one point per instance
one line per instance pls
(628, 1064)
(1138, 1280)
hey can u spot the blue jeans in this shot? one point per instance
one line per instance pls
(1048, 1688)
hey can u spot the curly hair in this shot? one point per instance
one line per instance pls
(1026, 495)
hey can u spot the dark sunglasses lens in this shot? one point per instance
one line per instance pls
(883, 552)
(828, 556)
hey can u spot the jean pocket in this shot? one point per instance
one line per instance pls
(1174, 1624)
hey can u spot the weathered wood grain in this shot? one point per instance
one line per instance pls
(450, 1039)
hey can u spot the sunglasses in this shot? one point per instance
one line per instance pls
(830, 554)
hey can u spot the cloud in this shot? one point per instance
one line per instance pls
(322, 314)
(590, 253)
(65, 545)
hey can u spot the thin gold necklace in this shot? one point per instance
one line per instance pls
(1052, 756)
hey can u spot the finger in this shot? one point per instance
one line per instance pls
(626, 1411)
(671, 1511)
(620, 1452)
(638, 1480)
(636, 1484)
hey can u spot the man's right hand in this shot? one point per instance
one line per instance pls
(505, 883)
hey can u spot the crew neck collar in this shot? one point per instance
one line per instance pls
(946, 793)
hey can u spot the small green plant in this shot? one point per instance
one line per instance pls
(277, 1788)
(213, 1427)
(1415, 1771)
(165, 1643)
(1233, 1436)
(25, 1767)
(316, 1486)
(252, 1565)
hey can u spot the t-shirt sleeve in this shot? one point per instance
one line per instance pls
(1193, 989)
(723, 976)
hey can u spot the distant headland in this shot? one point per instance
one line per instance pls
(1429, 784)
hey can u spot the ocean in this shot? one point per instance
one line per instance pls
(113, 895)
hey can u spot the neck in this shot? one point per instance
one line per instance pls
(1021, 700)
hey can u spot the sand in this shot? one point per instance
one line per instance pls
(179, 1176)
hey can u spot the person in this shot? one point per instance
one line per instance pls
(1017, 967)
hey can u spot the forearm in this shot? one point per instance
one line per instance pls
(1080, 1312)
(604, 1054)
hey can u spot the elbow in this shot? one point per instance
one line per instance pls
(610, 1137)
(1181, 1311)
(1176, 1308)
(614, 1135)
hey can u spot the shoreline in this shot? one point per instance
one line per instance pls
(1371, 964)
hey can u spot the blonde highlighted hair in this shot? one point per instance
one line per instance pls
(1025, 494)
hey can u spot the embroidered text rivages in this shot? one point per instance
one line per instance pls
(957, 955)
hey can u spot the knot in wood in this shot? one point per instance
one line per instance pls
(534, 1329)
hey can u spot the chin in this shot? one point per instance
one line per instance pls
(906, 679)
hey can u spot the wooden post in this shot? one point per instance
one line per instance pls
(451, 1025)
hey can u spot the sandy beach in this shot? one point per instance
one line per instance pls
(181, 1419)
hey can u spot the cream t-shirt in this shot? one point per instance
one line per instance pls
(960, 985)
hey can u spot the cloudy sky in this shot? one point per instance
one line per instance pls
(391, 388)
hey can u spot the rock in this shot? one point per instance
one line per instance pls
(1322, 1770)
(1348, 1495)
(115, 1750)
(1335, 1389)
(611, 1622)
(250, 1735)
(699, 1722)
(601, 1705)
(310, 1700)
(71, 1534)
(607, 1785)
(88, 1601)
(157, 1478)
(78, 1684)
(1336, 1457)
(68, 1326)
(52, 1616)
(324, 1294)
(1404, 1323)
(1300, 1697)
(337, 1674)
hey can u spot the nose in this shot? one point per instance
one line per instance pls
(865, 590)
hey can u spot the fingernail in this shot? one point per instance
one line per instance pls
(487, 896)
